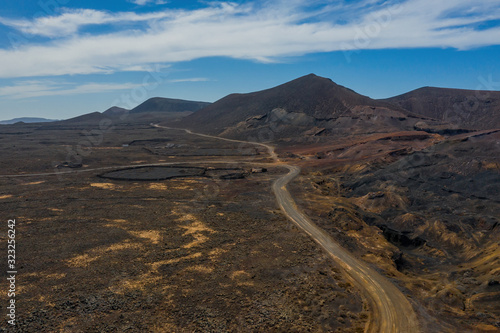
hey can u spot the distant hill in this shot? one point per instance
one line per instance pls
(26, 120)
(472, 109)
(115, 111)
(305, 107)
(158, 104)
(89, 118)
(153, 110)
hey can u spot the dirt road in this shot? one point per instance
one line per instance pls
(390, 309)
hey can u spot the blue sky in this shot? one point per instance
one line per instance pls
(63, 58)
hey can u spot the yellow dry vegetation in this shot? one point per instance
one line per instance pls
(158, 186)
(5, 196)
(157, 264)
(241, 278)
(487, 262)
(152, 235)
(44, 299)
(54, 276)
(34, 183)
(355, 168)
(184, 184)
(85, 259)
(486, 328)
(200, 269)
(180, 187)
(124, 285)
(239, 274)
(105, 186)
(216, 253)
(198, 240)
(444, 235)
(116, 223)
(196, 229)
(491, 166)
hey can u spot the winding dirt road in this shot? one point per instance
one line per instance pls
(391, 310)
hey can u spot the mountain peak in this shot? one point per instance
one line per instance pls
(311, 78)
(115, 110)
(312, 75)
(308, 85)
(307, 100)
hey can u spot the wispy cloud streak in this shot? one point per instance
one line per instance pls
(261, 31)
(30, 89)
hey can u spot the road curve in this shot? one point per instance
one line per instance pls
(270, 149)
(391, 310)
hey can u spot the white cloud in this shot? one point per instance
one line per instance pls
(71, 21)
(194, 79)
(146, 2)
(29, 89)
(262, 31)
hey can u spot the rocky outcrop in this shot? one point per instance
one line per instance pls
(400, 238)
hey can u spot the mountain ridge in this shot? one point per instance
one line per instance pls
(472, 109)
(309, 105)
(26, 120)
(313, 106)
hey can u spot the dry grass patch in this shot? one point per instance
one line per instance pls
(34, 183)
(157, 264)
(152, 235)
(216, 253)
(124, 285)
(86, 259)
(104, 186)
(196, 230)
(200, 269)
(158, 186)
(242, 278)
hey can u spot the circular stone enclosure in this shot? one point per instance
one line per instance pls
(154, 173)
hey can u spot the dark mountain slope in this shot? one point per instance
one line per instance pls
(89, 118)
(159, 104)
(307, 106)
(473, 109)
